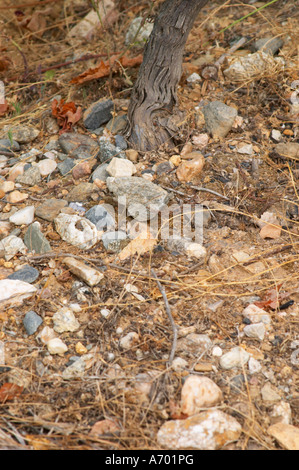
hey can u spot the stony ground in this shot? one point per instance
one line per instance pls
(110, 341)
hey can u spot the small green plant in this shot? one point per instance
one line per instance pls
(18, 109)
(9, 135)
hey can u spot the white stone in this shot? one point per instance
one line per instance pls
(47, 166)
(23, 217)
(282, 412)
(12, 245)
(256, 314)
(236, 357)
(276, 135)
(129, 340)
(194, 343)
(209, 430)
(255, 331)
(12, 290)
(46, 334)
(217, 351)
(120, 167)
(179, 364)
(7, 186)
(199, 392)
(105, 312)
(76, 230)
(196, 250)
(56, 346)
(65, 320)
(254, 366)
(90, 275)
(77, 369)
(194, 78)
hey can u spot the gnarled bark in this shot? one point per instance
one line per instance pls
(154, 98)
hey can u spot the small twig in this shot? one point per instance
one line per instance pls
(168, 311)
(200, 188)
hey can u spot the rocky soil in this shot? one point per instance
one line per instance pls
(116, 333)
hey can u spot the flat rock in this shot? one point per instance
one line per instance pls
(11, 245)
(100, 173)
(120, 167)
(24, 216)
(50, 209)
(268, 45)
(66, 166)
(7, 146)
(81, 192)
(102, 216)
(142, 198)
(78, 145)
(114, 240)
(46, 166)
(35, 240)
(22, 134)
(286, 435)
(30, 177)
(236, 357)
(14, 292)
(219, 118)
(97, 114)
(107, 151)
(209, 430)
(65, 320)
(194, 343)
(27, 274)
(288, 150)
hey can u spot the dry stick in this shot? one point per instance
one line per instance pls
(168, 311)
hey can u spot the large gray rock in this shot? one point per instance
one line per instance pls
(35, 240)
(219, 118)
(78, 145)
(142, 199)
(97, 114)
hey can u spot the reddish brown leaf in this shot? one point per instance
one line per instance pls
(272, 299)
(103, 69)
(8, 391)
(3, 108)
(66, 114)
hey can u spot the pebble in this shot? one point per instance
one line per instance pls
(286, 435)
(50, 209)
(100, 173)
(255, 331)
(179, 364)
(288, 149)
(56, 346)
(46, 166)
(46, 334)
(76, 230)
(30, 177)
(107, 151)
(27, 274)
(66, 166)
(14, 291)
(128, 341)
(89, 275)
(199, 392)
(31, 322)
(6, 145)
(81, 192)
(143, 198)
(35, 240)
(81, 170)
(97, 114)
(65, 320)
(268, 45)
(256, 314)
(23, 216)
(236, 357)
(120, 167)
(219, 118)
(270, 394)
(7, 186)
(115, 125)
(194, 343)
(78, 145)
(77, 368)
(22, 134)
(189, 170)
(183, 245)
(16, 196)
(102, 216)
(281, 412)
(114, 241)
(251, 66)
(254, 366)
(11, 245)
(209, 430)
(217, 351)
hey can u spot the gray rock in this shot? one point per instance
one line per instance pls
(30, 177)
(108, 151)
(97, 114)
(35, 240)
(117, 124)
(78, 145)
(27, 274)
(50, 209)
(137, 33)
(7, 146)
(81, 192)
(268, 45)
(101, 217)
(219, 118)
(142, 198)
(31, 322)
(22, 134)
(100, 172)
(120, 142)
(66, 166)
